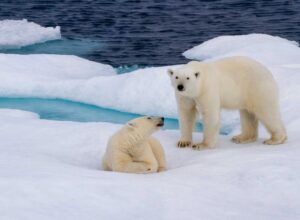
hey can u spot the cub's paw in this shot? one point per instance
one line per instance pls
(182, 144)
(161, 169)
(241, 139)
(151, 170)
(200, 146)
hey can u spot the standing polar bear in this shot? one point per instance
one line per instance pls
(133, 150)
(230, 83)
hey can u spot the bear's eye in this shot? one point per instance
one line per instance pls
(187, 78)
(176, 77)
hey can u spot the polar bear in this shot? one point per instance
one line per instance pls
(133, 150)
(230, 83)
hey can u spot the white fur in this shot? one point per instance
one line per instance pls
(231, 83)
(133, 150)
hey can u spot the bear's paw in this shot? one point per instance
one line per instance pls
(182, 144)
(200, 146)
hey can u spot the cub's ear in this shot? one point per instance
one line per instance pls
(131, 125)
(170, 72)
(197, 74)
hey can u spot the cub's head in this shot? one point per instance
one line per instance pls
(186, 79)
(145, 125)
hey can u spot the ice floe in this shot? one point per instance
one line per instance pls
(19, 33)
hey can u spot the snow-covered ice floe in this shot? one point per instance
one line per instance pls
(41, 70)
(145, 91)
(52, 170)
(148, 90)
(19, 33)
(267, 49)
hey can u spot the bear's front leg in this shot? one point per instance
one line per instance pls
(187, 119)
(211, 122)
(159, 153)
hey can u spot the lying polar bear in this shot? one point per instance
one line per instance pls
(231, 83)
(133, 150)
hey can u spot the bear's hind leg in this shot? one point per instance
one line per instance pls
(273, 123)
(249, 125)
(134, 167)
(124, 163)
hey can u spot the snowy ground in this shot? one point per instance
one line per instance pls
(51, 170)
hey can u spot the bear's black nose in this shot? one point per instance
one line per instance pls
(180, 87)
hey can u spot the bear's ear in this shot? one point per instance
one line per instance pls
(170, 72)
(131, 125)
(197, 74)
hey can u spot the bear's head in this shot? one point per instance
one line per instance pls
(146, 125)
(186, 80)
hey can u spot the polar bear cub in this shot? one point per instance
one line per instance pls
(133, 150)
(230, 83)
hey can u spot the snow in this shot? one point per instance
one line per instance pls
(42, 69)
(20, 33)
(18, 114)
(270, 50)
(47, 172)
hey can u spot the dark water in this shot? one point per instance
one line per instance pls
(129, 32)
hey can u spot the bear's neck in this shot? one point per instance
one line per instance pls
(134, 138)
